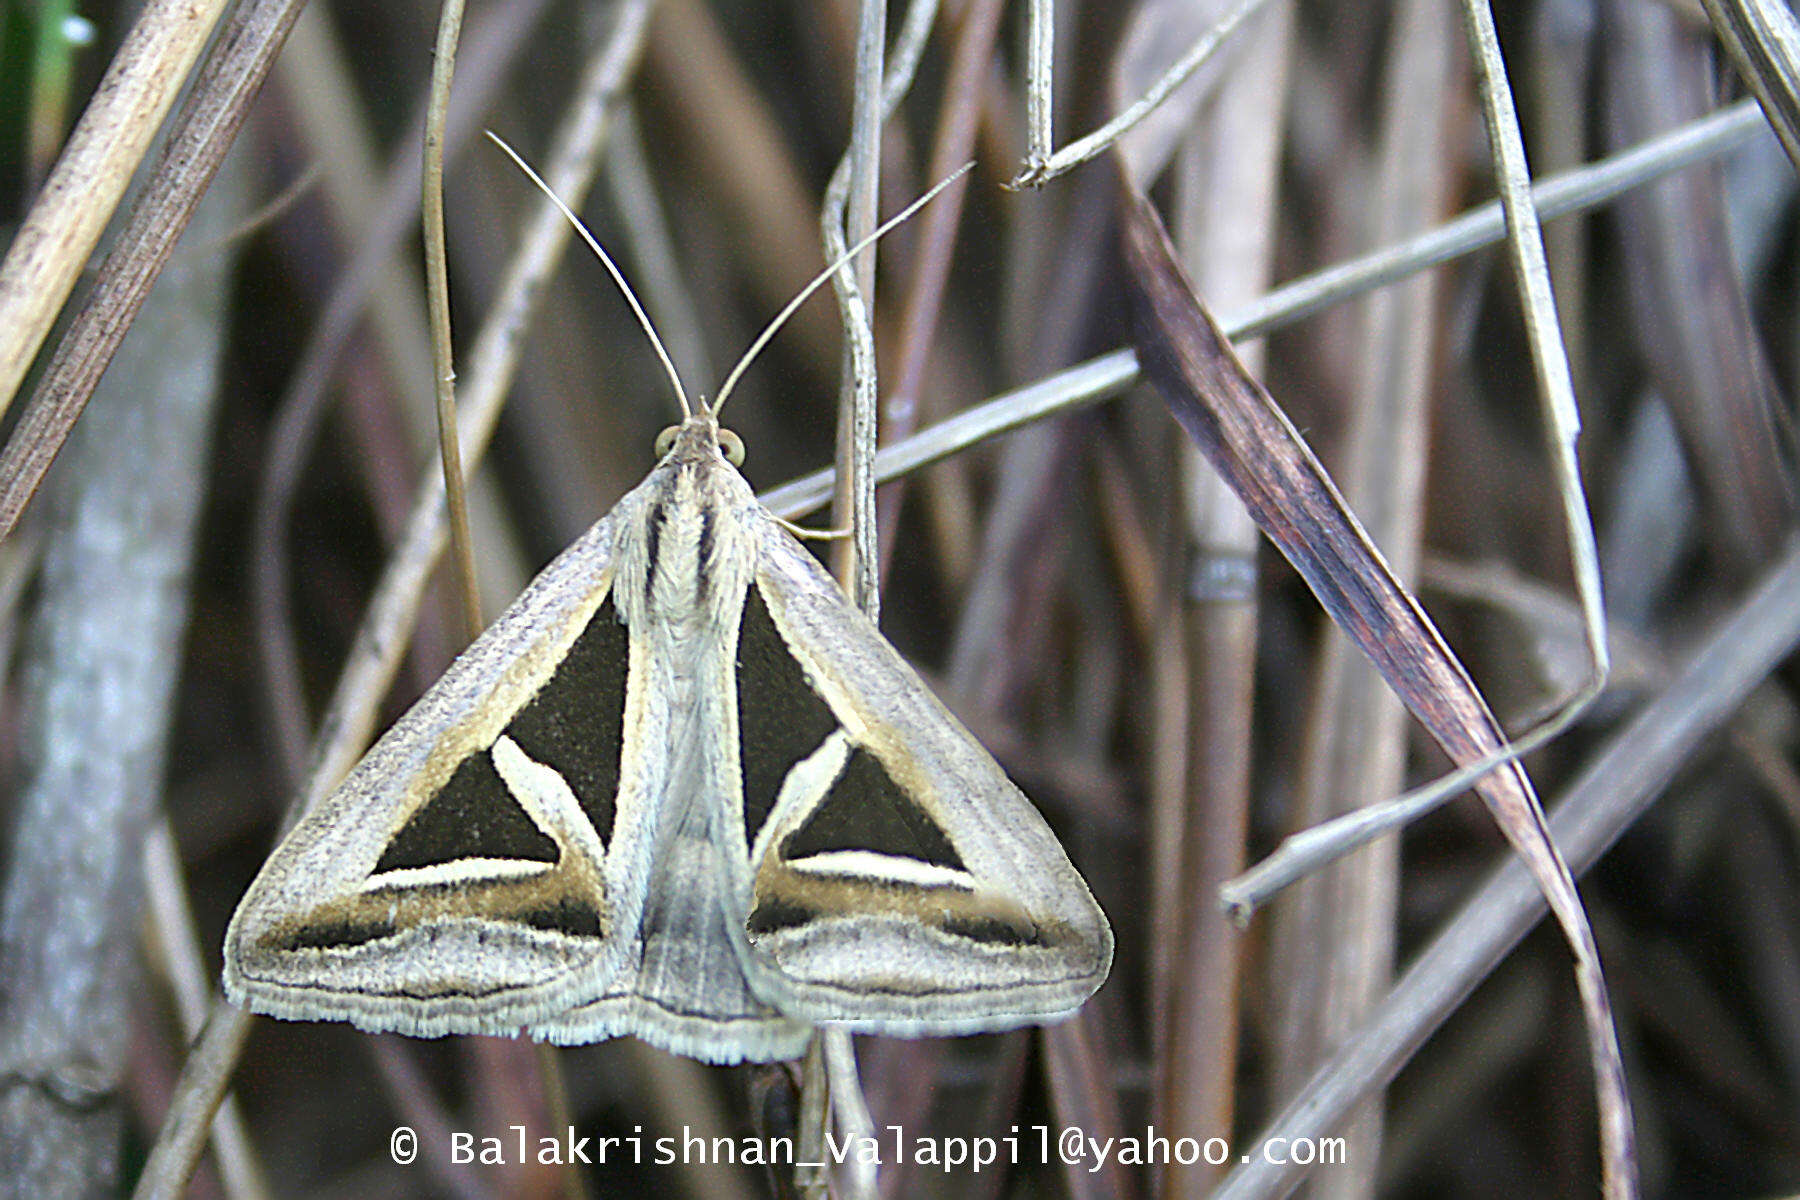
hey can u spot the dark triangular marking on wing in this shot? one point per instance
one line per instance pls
(573, 725)
(576, 722)
(474, 816)
(865, 810)
(781, 719)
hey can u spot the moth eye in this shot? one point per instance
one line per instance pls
(665, 441)
(733, 446)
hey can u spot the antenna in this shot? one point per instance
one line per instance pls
(604, 257)
(781, 318)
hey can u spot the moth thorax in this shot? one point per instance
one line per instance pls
(694, 555)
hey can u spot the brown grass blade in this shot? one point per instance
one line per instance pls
(228, 81)
(1296, 505)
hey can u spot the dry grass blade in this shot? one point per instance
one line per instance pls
(114, 134)
(1295, 504)
(1763, 40)
(1614, 789)
(1085, 1101)
(1555, 394)
(1334, 940)
(1089, 383)
(856, 560)
(1037, 172)
(850, 1108)
(1225, 136)
(1698, 333)
(1517, 811)
(208, 122)
(204, 1077)
(437, 281)
(174, 945)
(1111, 374)
(744, 157)
(1573, 191)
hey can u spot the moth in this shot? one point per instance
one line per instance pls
(681, 789)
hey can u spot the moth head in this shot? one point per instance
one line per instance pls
(706, 430)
